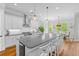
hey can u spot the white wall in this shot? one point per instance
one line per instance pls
(76, 27)
(2, 30)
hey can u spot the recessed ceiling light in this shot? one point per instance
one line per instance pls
(31, 11)
(57, 8)
(15, 4)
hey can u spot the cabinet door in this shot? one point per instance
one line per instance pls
(9, 41)
(8, 21)
(17, 22)
(41, 51)
(13, 22)
(35, 52)
(2, 44)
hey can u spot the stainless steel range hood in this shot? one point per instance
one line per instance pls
(25, 22)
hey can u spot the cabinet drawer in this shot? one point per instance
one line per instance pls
(39, 51)
(45, 47)
(35, 52)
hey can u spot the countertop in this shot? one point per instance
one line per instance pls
(36, 40)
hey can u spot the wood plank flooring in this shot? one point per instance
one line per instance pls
(2, 53)
(10, 51)
(71, 48)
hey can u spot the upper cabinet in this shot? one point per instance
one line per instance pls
(13, 22)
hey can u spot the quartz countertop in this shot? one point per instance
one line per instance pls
(36, 40)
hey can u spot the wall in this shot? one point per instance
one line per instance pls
(76, 27)
(2, 30)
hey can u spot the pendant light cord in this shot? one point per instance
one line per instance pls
(34, 10)
(47, 13)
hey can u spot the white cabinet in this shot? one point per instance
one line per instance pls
(2, 43)
(56, 45)
(12, 40)
(38, 51)
(13, 22)
(9, 41)
(35, 52)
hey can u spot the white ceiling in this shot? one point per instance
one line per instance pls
(64, 8)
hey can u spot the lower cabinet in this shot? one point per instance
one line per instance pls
(40, 51)
(49, 49)
(36, 52)
(10, 41)
(2, 44)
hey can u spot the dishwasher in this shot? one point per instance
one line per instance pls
(21, 49)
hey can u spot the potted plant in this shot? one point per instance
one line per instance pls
(41, 28)
(58, 27)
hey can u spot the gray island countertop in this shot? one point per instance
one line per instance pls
(36, 40)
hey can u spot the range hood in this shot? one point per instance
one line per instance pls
(25, 22)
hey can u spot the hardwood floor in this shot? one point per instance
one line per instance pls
(2, 53)
(10, 51)
(71, 48)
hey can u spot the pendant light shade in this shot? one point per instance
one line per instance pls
(34, 16)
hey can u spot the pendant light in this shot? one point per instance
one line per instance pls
(46, 21)
(50, 35)
(47, 13)
(34, 19)
(34, 16)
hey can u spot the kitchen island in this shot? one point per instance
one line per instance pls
(34, 45)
